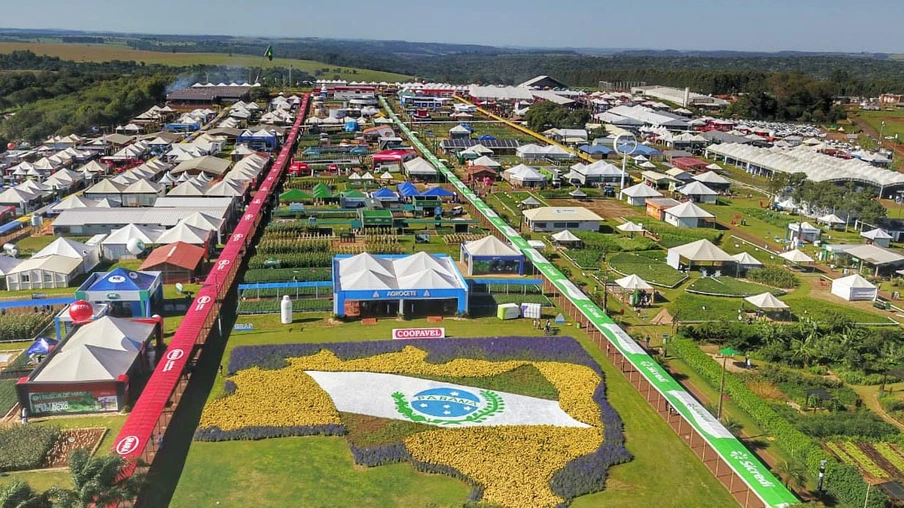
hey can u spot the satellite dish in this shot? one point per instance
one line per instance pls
(135, 246)
(179, 287)
(625, 144)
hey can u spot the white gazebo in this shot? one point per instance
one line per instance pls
(766, 301)
(796, 256)
(565, 237)
(633, 282)
(877, 237)
(854, 288)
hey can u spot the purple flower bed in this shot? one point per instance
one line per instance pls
(379, 455)
(580, 476)
(559, 349)
(258, 432)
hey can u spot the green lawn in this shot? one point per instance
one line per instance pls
(688, 307)
(650, 270)
(317, 470)
(729, 286)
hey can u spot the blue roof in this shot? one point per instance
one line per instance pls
(10, 226)
(438, 192)
(384, 193)
(466, 126)
(121, 279)
(645, 150)
(605, 150)
(407, 189)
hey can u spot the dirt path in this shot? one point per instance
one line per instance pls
(872, 402)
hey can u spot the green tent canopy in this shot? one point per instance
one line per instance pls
(295, 195)
(353, 194)
(322, 191)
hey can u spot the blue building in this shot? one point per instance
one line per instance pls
(421, 284)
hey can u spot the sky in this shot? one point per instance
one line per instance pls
(752, 25)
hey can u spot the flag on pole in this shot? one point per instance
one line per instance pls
(269, 53)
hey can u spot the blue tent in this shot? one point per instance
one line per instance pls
(645, 150)
(438, 192)
(121, 279)
(124, 288)
(351, 126)
(595, 149)
(466, 126)
(384, 193)
(486, 137)
(407, 189)
(41, 346)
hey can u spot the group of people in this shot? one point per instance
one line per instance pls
(546, 327)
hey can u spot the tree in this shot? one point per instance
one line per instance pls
(793, 475)
(98, 481)
(21, 495)
(546, 115)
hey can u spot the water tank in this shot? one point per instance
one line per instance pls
(10, 249)
(37, 220)
(285, 310)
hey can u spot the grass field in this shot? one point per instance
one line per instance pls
(105, 53)
(652, 271)
(729, 286)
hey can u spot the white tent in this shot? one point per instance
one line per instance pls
(701, 251)
(115, 245)
(565, 236)
(830, 220)
(489, 246)
(711, 178)
(630, 227)
(632, 282)
(101, 350)
(638, 194)
(746, 260)
(182, 232)
(796, 256)
(766, 301)
(853, 288)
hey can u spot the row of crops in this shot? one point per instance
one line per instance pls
(273, 306)
(878, 460)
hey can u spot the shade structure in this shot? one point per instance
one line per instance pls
(698, 253)
(630, 227)
(438, 192)
(565, 236)
(830, 219)
(766, 301)
(853, 288)
(531, 201)
(577, 193)
(633, 282)
(745, 259)
(729, 351)
(796, 256)
(407, 189)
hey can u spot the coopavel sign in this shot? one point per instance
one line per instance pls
(418, 333)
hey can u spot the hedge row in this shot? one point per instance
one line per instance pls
(842, 481)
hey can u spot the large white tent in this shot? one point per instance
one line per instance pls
(632, 282)
(853, 288)
(796, 256)
(701, 252)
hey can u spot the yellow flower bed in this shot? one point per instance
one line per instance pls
(271, 398)
(514, 464)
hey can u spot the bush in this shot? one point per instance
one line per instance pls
(22, 326)
(796, 385)
(858, 424)
(774, 276)
(24, 446)
(288, 274)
